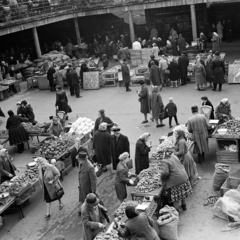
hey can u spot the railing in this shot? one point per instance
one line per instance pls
(22, 11)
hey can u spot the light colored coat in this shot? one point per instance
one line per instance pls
(51, 173)
(200, 74)
(198, 126)
(156, 105)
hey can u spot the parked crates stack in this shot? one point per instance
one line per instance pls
(136, 57)
(110, 77)
(146, 53)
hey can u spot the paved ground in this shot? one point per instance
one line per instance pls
(123, 108)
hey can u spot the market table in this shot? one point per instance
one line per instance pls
(154, 193)
(43, 83)
(12, 84)
(9, 203)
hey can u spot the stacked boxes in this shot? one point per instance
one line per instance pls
(110, 77)
(146, 53)
(136, 57)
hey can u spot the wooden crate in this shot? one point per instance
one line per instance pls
(109, 82)
(227, 157)
(140, 70)
(226, 142)
(230, 183)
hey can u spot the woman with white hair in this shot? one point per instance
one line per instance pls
(49, 181)
(102, 146)
(215, 42)
(169, 49)
(141, 153)
(122, 177)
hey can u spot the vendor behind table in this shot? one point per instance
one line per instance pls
(223, 110)
(55, 128)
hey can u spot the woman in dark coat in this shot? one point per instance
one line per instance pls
(141, 153)
(17, 133)
(174, 47)
(218, 68)
(102, 146)
(28, 111)
(144, 100)
(69, 82)
(174, 72)
(102, 118)
(50, 78)
(126, 75)
(61, 100)
(122, 177)
(208, 103)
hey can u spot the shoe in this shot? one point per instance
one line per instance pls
(145, 121)
(170, 126)
(177, 124)
(79, 97)
(47, 216)
(161, 125)
(213, 89)
(202, 89)
(61, 207)
(184, 207)
(105, 169)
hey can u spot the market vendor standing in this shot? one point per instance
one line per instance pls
(119, 145)
(7, 168)
(223, 109)
(50, 74)
(141, 153)
(102, 146)
(28, 111)
(17, 133)
(55, 129)
(198, 126)
(103, 119)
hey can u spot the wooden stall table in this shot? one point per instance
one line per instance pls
(138, 195)
(9, 202)
(12, 84)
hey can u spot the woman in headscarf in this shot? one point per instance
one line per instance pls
(7, 168)
(169, 49)
(176, 182)
(61, 100)
(200, 75)
(215, 42)
(156, 106)
(17, 133)
(185, 157)
(55, 129)
(223, 109)
(141, 153)
(49, 181)
(144, 100)
(139, 225)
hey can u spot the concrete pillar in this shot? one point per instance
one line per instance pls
(194, 22)
(77, 30)
(131, 26)
(36, 42)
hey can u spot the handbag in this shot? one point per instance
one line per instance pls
(69, 109)
(59, 190)
(129, 164)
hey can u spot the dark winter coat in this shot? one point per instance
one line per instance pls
(223, 109)
(208, 103)
(174, 47)
(62, 101)
(28, 112)
(74, 154)
(126, 73)
(74, 77)
(87, 180)
(144, 99)
(141, 156)
(183, 62)
(102, 147)
(218, 68)
(155, 61)
(155, 75)
(171, 109)
(181, 44)
(209, 71)
(104, 119)
(6, 167)
(174, 72)
(50, 77)
(118, 147)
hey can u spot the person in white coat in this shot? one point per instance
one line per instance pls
(220, 31)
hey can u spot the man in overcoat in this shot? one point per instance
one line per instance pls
(126, 75)
(50, 78)
(198, 126)
(103, 119)
(75, 81)
(87, 178)
(155, 75)
(218, 68)
(183, 62)
(119, 145)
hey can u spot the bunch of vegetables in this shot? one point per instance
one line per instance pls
(3, 134)
(82, 126)
(34, 128)
(113, 235)
(11, 187)
(232, 126)
(120, 213)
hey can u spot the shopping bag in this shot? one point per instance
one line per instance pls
(69, 109)
(59, 190)
(129, 164)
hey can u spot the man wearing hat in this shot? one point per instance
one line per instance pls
(87, 178)
(183, 62)
(74, 78)
(102, 118)
(92, 217)
(126, 75)
(198, 126)
(152, 58)
(206, 102)
(119, 145)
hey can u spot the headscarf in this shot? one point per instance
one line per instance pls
(180, 134)
(123, 156)
(131, 212)
(77, 143)
(155, 89)
(215, 34)
(224, 101)
(168, 42)
(102, 126)
(144, 136)
(2, 152)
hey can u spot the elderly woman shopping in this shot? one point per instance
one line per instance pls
(122, 177)
(141, 153)
(144, 100)
(49, 181)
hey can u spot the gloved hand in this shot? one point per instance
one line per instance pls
(131, 182)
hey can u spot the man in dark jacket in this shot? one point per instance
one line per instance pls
(102, 118)
(119, 145)
(183, 62)
(69, 81)
(218, 68)
(50, 78)
(154, 60)
(75, 82)
(126, 75)
(208, 103)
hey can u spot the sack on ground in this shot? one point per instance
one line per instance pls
(168, 223)
(220, 175)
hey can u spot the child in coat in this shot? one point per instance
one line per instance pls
(171, 110)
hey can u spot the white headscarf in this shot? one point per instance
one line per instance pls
(2, 152)
(168, 42)
(144, 136)
(224, 100)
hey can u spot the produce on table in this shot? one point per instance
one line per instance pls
(82, 126)
(11, 187)
(232, 126)
(3, 134)
(34, 128)
(7, 82)
(120, 213)
(113, 235)
(231, 148)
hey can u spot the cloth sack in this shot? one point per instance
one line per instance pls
(221, 173)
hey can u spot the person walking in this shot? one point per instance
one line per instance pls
(218, 68)
(61, 100)
(215, 42)
(144, 100)
(200, 75)
(102, 118)
(198, 126)
(156, 106)
(155, 75)
(87, 178)
(171, 110)
(183, 62)
(142, 153)
(174, 74)
(126, 75)
(206, 102)
(69, 82)
(50, 76)
(102, 146)
(119, 145)
(209, 71)
(49, 181)
(75, 82)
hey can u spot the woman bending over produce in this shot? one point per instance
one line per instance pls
(223, 109)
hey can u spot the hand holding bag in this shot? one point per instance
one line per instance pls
(59, 190)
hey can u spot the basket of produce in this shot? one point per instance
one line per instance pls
(82, 126)
(35, 129)
(4, 197)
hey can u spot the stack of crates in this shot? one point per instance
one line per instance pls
(110, 77)
(136, 57)
(146, 53)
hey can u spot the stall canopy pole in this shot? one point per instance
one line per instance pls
(131, 27)
(36, 42)
(77, 31)
(194, 22)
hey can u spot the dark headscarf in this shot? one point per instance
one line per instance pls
(131, 212)
(180, 135)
